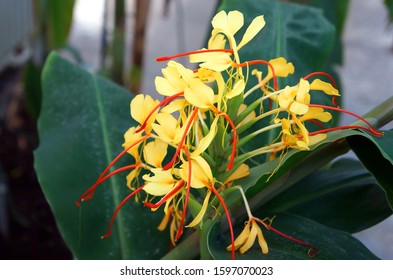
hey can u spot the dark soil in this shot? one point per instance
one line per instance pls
(27, 227)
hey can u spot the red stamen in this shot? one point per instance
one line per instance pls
(312, 252)
(334, 99)
(323, 74)
(166, 197)
(117, 210)
(181, 143)
(371, 129)
(165, 58)
(318, 123)
(90, 192)
(342, 128)
(164, 102)
(258, 61)
(183, 217)
(228, 218)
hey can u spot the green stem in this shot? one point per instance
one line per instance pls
(188, 249)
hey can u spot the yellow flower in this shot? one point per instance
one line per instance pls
(201, 175)
(154, 152)
(247, 238)
(281, 67)
(230, 23)
(290, 140)
(140, 107)
(167, 128)
(176, 78)
(161, 183)
(199, 94)
(242, 171)
(205, 141)
(318, 84)
(130, 137)
(296, 99)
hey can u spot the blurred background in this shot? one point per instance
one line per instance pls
(120, 39)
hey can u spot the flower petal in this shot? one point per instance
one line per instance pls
(199, 94)
(318, 84)
(198, 218)
(237, 89)
(205, 141)
(256, 25)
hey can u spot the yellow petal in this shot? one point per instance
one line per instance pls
(216, 61)
(164, 87)
(199, 94)
(205, 141)
(240, 172)
(318, 84)
(250, 240)
(256, 25)
(302, 94)
(130, 137)
(281, 68)
(316, 114)
(217, 42)
(161, 183)
(262, 242)
(235, 21)
(237, 89)
(242, 238)
(202, 212)
(298, 108)
(286, 97)
(140, 108)
(201, 174)
(154, 152)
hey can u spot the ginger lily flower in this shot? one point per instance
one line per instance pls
(247, 238)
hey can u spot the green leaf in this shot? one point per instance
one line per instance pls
(268, 180)
(299, 33)
(81, 129)
(376, 153)
(344, 196)
(60, 18)
(331, 243)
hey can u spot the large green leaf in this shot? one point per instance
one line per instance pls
(81, 128)
(344, 196)
(376, 153)
(331, 244)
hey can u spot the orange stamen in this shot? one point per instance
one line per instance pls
(118, 209)
(165, 58)
(164, 102)
(330, 77)
(166, 197)
(312, 252)
(90, 192)
(181, 143)
(228, 219)
(371, 129)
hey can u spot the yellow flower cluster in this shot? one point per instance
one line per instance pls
(192, 138)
